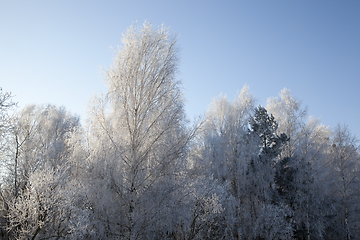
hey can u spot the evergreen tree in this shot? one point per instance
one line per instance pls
(261, 175)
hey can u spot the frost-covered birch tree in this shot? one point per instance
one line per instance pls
(38, 136)
(138, 140)
(223, 153)
(37, 155)
(6, 104)
(289, 115)
(223, 135)
(300, 164)
(310, 204)
(343, 177)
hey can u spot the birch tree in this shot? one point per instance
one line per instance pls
(344, 179)
(37, 172)
(289, 115)
(223, 152)
(138, 140)
(38, 136)
(310, 203)
(223, 134)
(300, 163)
(6, 104)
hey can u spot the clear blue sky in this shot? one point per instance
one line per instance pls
(53, 51)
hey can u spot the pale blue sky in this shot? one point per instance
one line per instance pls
(53, 51)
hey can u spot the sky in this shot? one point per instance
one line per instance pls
(56, 51)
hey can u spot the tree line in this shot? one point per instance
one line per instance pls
(138, 170)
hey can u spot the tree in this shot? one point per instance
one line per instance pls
(222, 136)
(290, 118)
(298, 169)
(38, 136)
(264, 127)
(261, 172)
(6, 104)
(310, 204)
(344, 179)
(37, 169)
(222, 153)
(138, 140)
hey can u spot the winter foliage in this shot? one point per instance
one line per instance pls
(138, 170)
